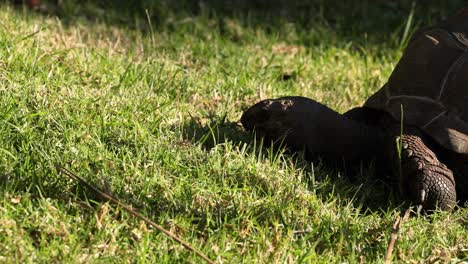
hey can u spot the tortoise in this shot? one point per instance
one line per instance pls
(417, 123)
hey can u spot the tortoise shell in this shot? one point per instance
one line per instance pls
(429, 86)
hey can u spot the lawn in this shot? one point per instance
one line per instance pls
(143, 100)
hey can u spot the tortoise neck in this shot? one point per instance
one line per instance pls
(349, 136)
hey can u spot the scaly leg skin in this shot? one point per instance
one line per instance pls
(424, 180)
(303, 123)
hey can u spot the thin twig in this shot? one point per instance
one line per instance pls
(394, 235)
(133, 212)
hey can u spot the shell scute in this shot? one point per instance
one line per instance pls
(429, 86)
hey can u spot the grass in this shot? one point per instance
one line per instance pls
(144, 102)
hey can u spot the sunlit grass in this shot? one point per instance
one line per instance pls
(151, 114)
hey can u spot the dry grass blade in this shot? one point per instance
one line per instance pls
(394, 236)
(132, 211)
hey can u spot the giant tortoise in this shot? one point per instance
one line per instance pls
(417, 122)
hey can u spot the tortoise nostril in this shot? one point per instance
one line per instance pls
(267, 102)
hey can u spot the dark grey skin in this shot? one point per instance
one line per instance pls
(423, 107)
(364, 134)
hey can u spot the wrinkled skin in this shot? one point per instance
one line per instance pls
(363, 134)
(427, 91)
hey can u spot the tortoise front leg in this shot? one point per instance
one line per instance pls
(423, 178)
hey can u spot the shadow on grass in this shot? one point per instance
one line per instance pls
(361, 185)
(348, 21)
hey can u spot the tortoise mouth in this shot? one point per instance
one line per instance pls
(254, 115)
